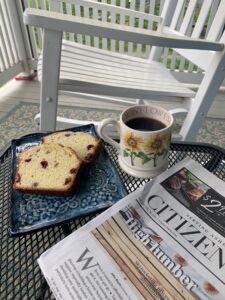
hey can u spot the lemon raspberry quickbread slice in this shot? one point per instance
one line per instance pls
(84, 144)
(47, 169)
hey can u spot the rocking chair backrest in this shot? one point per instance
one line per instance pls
(108, 13)
(195, 18)
(198, 19)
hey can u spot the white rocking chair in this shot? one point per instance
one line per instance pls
(71, 66)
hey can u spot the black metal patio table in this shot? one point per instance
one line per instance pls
(20, 276)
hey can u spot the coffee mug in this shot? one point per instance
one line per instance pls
(145, 136)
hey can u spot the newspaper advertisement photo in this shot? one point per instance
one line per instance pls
(199, 197)
(153, 244)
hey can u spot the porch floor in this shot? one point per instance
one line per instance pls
(29, 91)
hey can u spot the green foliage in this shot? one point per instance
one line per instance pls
(126, 153)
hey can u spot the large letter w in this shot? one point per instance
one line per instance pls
(87, 260)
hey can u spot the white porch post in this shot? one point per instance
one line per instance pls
(14, 16)
(52, 43)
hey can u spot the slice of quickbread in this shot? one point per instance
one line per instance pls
(47, 169)
(84, 144)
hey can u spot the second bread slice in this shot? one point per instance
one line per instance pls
(84, 144)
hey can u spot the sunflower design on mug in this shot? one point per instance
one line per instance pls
(151, 149)
(157, 146)
(133, 144)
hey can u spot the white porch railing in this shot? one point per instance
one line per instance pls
(13, 51)
(21, 46)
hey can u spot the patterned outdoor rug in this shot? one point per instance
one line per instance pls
(20, 121)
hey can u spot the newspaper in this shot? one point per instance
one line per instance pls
(163, 241)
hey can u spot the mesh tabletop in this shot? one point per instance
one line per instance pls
(20, 276)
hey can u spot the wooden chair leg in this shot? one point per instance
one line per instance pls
(52, 42)
(204, 98)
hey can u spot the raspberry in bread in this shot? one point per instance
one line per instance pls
(84, 144)
(47, 169)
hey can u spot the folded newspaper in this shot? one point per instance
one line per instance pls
(166, 240)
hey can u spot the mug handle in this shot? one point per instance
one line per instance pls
(105, 137)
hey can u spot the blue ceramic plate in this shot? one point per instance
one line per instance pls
(100, 187)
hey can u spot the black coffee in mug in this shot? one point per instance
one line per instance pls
(145, 124)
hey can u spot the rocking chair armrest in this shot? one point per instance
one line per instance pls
(66, 23)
